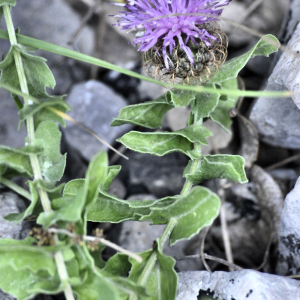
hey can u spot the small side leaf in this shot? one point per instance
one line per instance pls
(161, 143)
(52, 163)
(193, 212)
(113, 171)
(230, 167)
(148, 114)
(162, 280)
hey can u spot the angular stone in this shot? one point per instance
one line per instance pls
(276, 120)
(12, 203)
(239, 285)
(289, 234)
(94, 105)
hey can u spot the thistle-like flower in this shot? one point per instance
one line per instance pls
(184, 46)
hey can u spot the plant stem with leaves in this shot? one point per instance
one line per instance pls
(62, 271)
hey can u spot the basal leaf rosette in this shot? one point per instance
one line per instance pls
(181, 39)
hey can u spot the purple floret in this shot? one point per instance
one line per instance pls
(140, 11)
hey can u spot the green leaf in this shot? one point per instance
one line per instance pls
(113, 171)
(230, 167)
(118, 265)
(148, 114)
(42, 113)
(108, 208)
(204, 105)
(23, 284)
(52, 163)
(161, 143)
(77, 194)
(193, 212)
(21, 254)
(96, 287)
(37, 73)
(72, 187)
(16, 159)
(96, 176)
(9, 2)
(18, 217)
(162, 280)
(182, 98)
(221, 114)
(265, 46)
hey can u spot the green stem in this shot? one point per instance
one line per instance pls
(14, 187)
(28, 41)
(61, 267)
(153, 257)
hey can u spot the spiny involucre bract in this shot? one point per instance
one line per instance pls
(167, 28)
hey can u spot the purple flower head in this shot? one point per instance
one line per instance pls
(171, 27)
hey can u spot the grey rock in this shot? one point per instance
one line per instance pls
(55, 22)
(12, 203)
(95, 105)
(264, 16)
(5, 296)
(9, 120)
(150, 91)
(277, 122)
(152, 174)
(240, 285)
(289, 234)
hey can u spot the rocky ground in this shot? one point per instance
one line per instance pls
(262, 215)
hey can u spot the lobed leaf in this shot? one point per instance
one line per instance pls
(230, 167)
(148, 114)
(193, 212)
(161, 143)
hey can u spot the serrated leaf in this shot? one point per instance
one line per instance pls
(52, 163)
(193, 212)
(161, 143)
(148, 114)
(41, 112)
(230, 167)
(37, 73)
(181, 98)
(204, 105)
(113, 171)
(162, 280)
(16, 159)
(265, 46)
